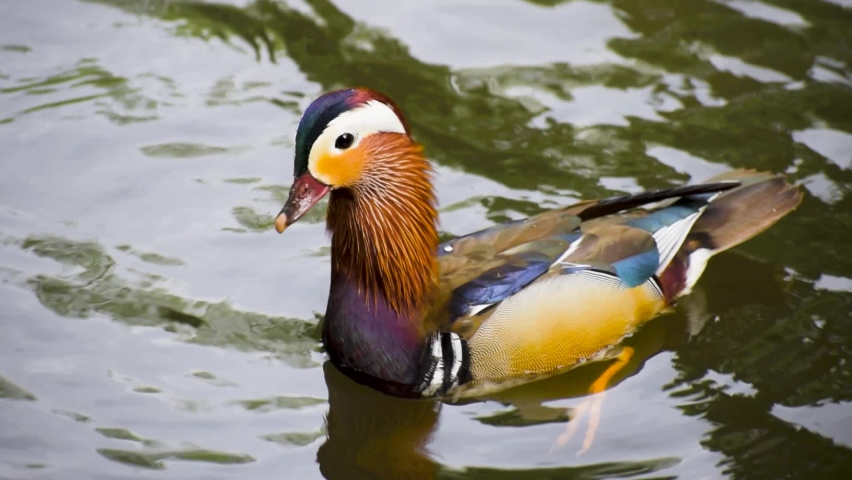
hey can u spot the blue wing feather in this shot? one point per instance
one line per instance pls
(661, 218)
(669, 215)
(499, 282)
(634, 270)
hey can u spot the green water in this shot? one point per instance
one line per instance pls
(154, 327)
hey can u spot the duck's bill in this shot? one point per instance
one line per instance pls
(304, 194)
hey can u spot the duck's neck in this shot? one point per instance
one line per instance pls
(383, 243)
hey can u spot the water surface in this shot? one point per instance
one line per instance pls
(153, 326)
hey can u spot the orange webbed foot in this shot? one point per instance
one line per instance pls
(592, 404)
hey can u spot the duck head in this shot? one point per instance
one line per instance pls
(355, 145)
(340, 141)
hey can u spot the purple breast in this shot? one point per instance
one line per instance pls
(368, 337)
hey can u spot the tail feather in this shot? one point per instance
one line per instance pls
(741, 213)
(733, 217)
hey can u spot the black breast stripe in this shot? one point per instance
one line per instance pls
(446, 364)
(449, 357)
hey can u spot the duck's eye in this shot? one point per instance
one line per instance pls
(344, 141)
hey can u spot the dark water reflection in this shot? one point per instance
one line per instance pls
(144, 153)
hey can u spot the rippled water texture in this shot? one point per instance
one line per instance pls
(153, 326)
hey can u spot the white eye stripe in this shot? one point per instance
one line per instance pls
(372, 117)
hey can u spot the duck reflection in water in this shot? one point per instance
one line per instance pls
(373, 435)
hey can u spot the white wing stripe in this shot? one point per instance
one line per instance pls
(571, 249)
(670, 238)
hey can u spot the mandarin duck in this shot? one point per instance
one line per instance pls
(509, 304)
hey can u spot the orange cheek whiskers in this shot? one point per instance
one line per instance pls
(385, 226)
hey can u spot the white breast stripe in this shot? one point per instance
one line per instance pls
(437, 378)
(458, 355)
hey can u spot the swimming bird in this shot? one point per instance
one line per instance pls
(508, 304)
